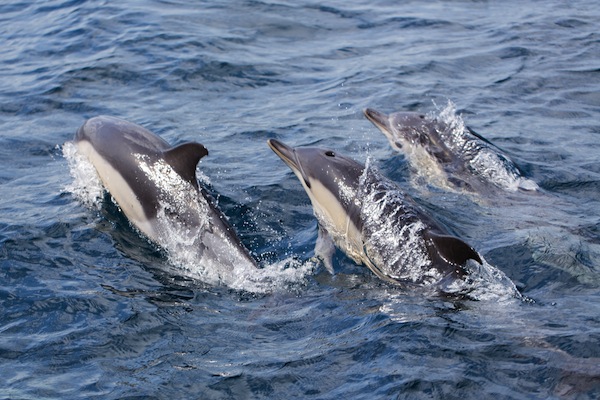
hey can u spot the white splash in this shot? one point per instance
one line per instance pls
(391, 243)
(483, 161)
(448, 115)
(484, 282)
(199, 249)
(192, 250)
(400, 252)
(86, 185)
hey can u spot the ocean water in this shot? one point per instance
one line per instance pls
(91, 309)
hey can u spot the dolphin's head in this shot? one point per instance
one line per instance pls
(408, 131)
(330, 180)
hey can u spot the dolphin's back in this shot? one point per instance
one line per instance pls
(111, 135)
(119, 149)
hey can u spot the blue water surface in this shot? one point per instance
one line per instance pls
(90, 309)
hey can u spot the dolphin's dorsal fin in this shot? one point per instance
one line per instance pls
(184, 158)
(454, 250)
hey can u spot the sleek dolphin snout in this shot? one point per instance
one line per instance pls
(288, 155)
(285, 152)
(379, 119)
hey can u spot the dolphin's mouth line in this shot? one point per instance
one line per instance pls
(377, 118)
(289, 156)
(304, 176)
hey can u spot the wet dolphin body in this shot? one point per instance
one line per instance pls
(371, 220)
(465, 159)
(155, 186)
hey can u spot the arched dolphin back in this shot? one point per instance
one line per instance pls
(155, 186)
(118, 148)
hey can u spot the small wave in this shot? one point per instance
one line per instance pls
(286, 274)
(565, 251)
(483, 282)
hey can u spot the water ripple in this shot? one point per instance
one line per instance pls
(88, 308)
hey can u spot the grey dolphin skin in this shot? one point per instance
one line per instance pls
(465, 159)
(155, 186)
(371, 220)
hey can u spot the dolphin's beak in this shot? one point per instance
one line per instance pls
(379, 119)
(288, 155)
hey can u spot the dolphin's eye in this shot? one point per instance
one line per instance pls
(330, 153)
(422, 116)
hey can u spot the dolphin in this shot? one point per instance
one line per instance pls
(449, 153)
(375, 223)
(155, 186)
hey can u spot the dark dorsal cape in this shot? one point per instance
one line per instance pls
(122, 143)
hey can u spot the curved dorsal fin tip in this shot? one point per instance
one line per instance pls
(184, 158)
(454, 250)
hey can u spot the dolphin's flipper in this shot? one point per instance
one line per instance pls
(454, 250)
(184, 158)
(324, 249)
